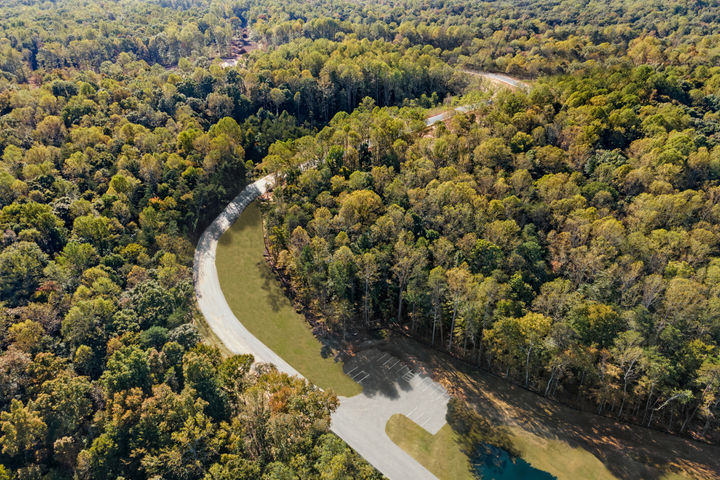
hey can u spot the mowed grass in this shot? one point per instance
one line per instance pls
(257, 300)
(439, 453)
(442, 455)
(558, 458)
(565, 442)
(565, 462)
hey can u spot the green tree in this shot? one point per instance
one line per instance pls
(22, 429)
(21, 266)
(126, 368)
(519, 338)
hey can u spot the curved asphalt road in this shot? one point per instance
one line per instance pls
(359, 420)
(500, 78)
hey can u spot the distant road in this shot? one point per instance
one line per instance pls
(500, 78)
(497, 78)
(445, 115)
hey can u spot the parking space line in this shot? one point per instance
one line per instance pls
(351, 371)
(397, 372)
(364, 378)
(422, 419)
(391, 366)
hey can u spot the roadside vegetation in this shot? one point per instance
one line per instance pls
(555, 438)
(258, 301)
(565, 237)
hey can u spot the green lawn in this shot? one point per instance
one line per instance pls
(439, 453)
(256, 299)
(558, 457)
(442, 455)
(564, 461)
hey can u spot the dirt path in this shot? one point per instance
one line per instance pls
(498, 79)
(240, 46)
(441, 117)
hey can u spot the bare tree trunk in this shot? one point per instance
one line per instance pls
(452, 326)
(647, 404)
(625, 384)
(547, 388)
(689, 418)
(652, 412)
(435, 317)
(622, 404)
(527, 366)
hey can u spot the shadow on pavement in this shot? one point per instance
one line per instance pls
(377, 378)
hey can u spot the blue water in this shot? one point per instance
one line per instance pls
(493, 463)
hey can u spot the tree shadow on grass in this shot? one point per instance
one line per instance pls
(326, 351)
(473, 429)
(226, 238)
(271, 287)
(629, 452)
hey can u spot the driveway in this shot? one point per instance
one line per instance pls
(389, 386)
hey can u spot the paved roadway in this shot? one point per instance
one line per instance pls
(445, 115)
(500, 78)
(389, 386)
(493, 77)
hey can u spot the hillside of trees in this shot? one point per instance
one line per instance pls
(102, 373)
(109, 169)
(566, 237)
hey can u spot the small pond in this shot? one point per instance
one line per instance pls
(493, 463)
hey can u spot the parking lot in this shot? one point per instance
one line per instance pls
(415, 395)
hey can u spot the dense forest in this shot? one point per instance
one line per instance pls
(566, 236)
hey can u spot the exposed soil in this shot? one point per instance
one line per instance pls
(239, 46)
